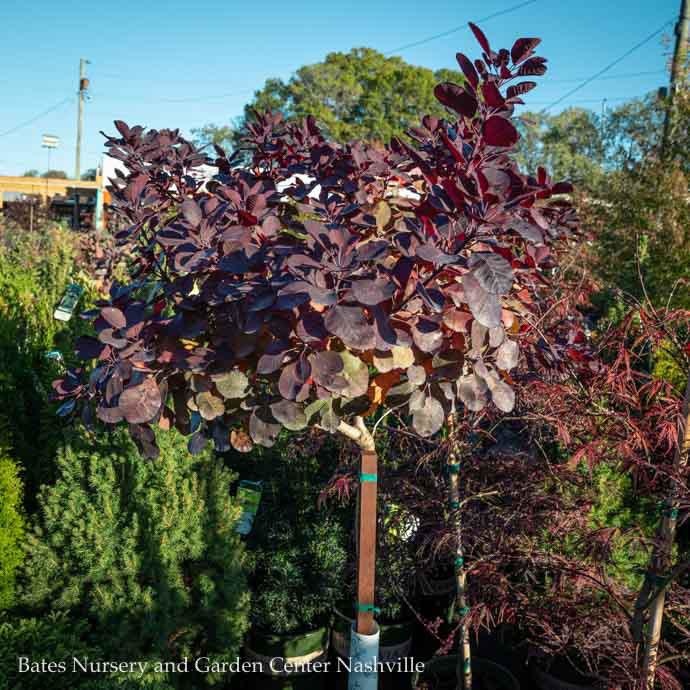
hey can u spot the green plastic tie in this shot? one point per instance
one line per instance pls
(364, 477)
(467, 666)
(671, 512)
(459, 562)
(454, 505)
(464, 610)
(453, 467)
(368, 608)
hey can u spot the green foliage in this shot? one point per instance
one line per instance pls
(31, 173)
(569, 145)
(55, 174)
(298, 574)
(11, 529)
(35, 268)
(145, 550)
(297, 550)
(617, 505)
(361, 94)
(642, 222)
(59, 637)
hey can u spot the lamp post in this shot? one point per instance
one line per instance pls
(50, 142)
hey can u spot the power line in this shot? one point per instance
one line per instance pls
(36, 117)
(628, 75)
(609, 66)
(459, 28)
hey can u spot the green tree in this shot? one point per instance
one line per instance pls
(569, 145)
(146, 551)
(55, 174)
(221, 135)
(31, 173)
(90, 174)
(361, 94)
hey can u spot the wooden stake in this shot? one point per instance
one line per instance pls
(366, 553)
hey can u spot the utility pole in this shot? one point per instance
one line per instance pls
(677, 68)
(83, 86)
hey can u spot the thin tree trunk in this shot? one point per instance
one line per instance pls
(464, 668)
(662, 557)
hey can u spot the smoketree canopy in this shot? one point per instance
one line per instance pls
(322, 282)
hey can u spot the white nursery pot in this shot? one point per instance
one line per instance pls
(364, 656)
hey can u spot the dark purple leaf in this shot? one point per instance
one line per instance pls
(427, 335)
(429, 418)
(456, 98)
(499, 131)
(191, 212)
(351, 326)
(523, 48)
(493, 272)
(263, 428)
(140, 403)
(534, 67)
(371, 292)
(481, 38)
(521, 88)
(197, 443)
(468, 69)
(485, 306)
(114, 317)
(472, 392)
(289, 414)
(88, 347)
(325, 366)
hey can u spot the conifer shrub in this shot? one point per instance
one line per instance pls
(146, 552)
(59, 637)
(11, 529)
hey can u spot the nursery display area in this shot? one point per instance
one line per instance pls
(352, 415)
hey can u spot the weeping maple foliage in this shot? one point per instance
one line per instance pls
(321, 282)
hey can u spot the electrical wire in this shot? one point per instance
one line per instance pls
(459, 28)
(608, 67)
(36, 117)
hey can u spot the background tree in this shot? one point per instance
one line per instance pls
(569, 144)
(90, 174)
(224, 136)
(361, 94)
(31, 173)
(55, 174)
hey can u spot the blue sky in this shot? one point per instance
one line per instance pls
(182, 64)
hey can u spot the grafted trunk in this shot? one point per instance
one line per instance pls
(662, 559)
(464, 669)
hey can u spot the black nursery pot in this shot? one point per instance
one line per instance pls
(300, 652)
(553, 680)
(440, 673)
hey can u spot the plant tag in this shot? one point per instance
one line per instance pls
(64, 310)
(249, 496)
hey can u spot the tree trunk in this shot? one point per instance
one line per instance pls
(464, 668)
(662, 557)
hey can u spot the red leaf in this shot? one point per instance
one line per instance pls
(523, 48)
(481, 38)
(456, 98)
(499, 131)
(492, 96)
(468, 69)
(519, 89)
(534, 67)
